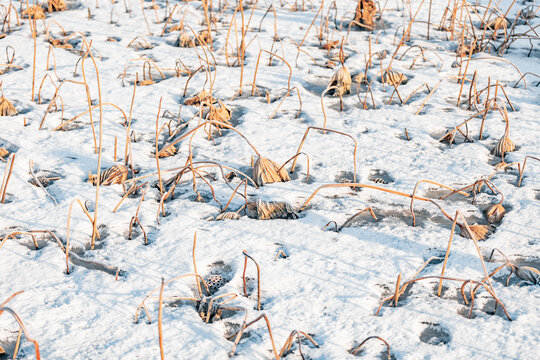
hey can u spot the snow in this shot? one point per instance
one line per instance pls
(330, 284)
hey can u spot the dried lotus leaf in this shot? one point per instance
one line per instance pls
(495, 213)
(116, 174)
(480, 232)
(35, 12)
(229, 215)
(197, 99)
(342, 81)
(529, 274)
(265, 171)
(394, 78)
(365, 12)
(269, 210)
(503, 146)
(6, 107)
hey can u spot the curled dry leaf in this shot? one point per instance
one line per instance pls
(360, 78)
(221, 114)
(365, 12)
(480, 232)
(168, 151)
(503, 146)
(116, 174)
(265, 171)
(495, 213)
(268, 210)
(394, 78)
(341, 80)
(6, 107)
(229, 215)
(528, 274)
(197, 99)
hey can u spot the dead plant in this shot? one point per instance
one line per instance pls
(116, 174)
(364, 14)
(269, 210)
(6, 107)
(288, 342)
(266, 171)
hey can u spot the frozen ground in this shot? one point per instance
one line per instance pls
(330, 284)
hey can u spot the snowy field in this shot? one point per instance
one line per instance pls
(149, 117)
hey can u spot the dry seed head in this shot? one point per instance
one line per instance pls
(503, 146)
(529, 274)
(495, 213)
(3, 152)
(268, 210)
(342, 81)
(6, 107)
(394, 78)
(116, 174)
(214, 282)
(265, 171)
(480, 232)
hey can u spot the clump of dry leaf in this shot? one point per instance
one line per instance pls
(56, 5)
(196, 100)
(341, 82)
(6, 107)
(365, 12)
(495, 213)
(168, 151)
(266, 171)
(480, 232)
(218, 113)
(116, 174)
(268, 210)
(394, 78)
(35, 12)
(503, 146)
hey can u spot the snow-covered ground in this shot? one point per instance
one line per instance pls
(329, 284)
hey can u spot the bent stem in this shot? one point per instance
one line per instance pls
(373, 337)
(325, 129)
(258, 278)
